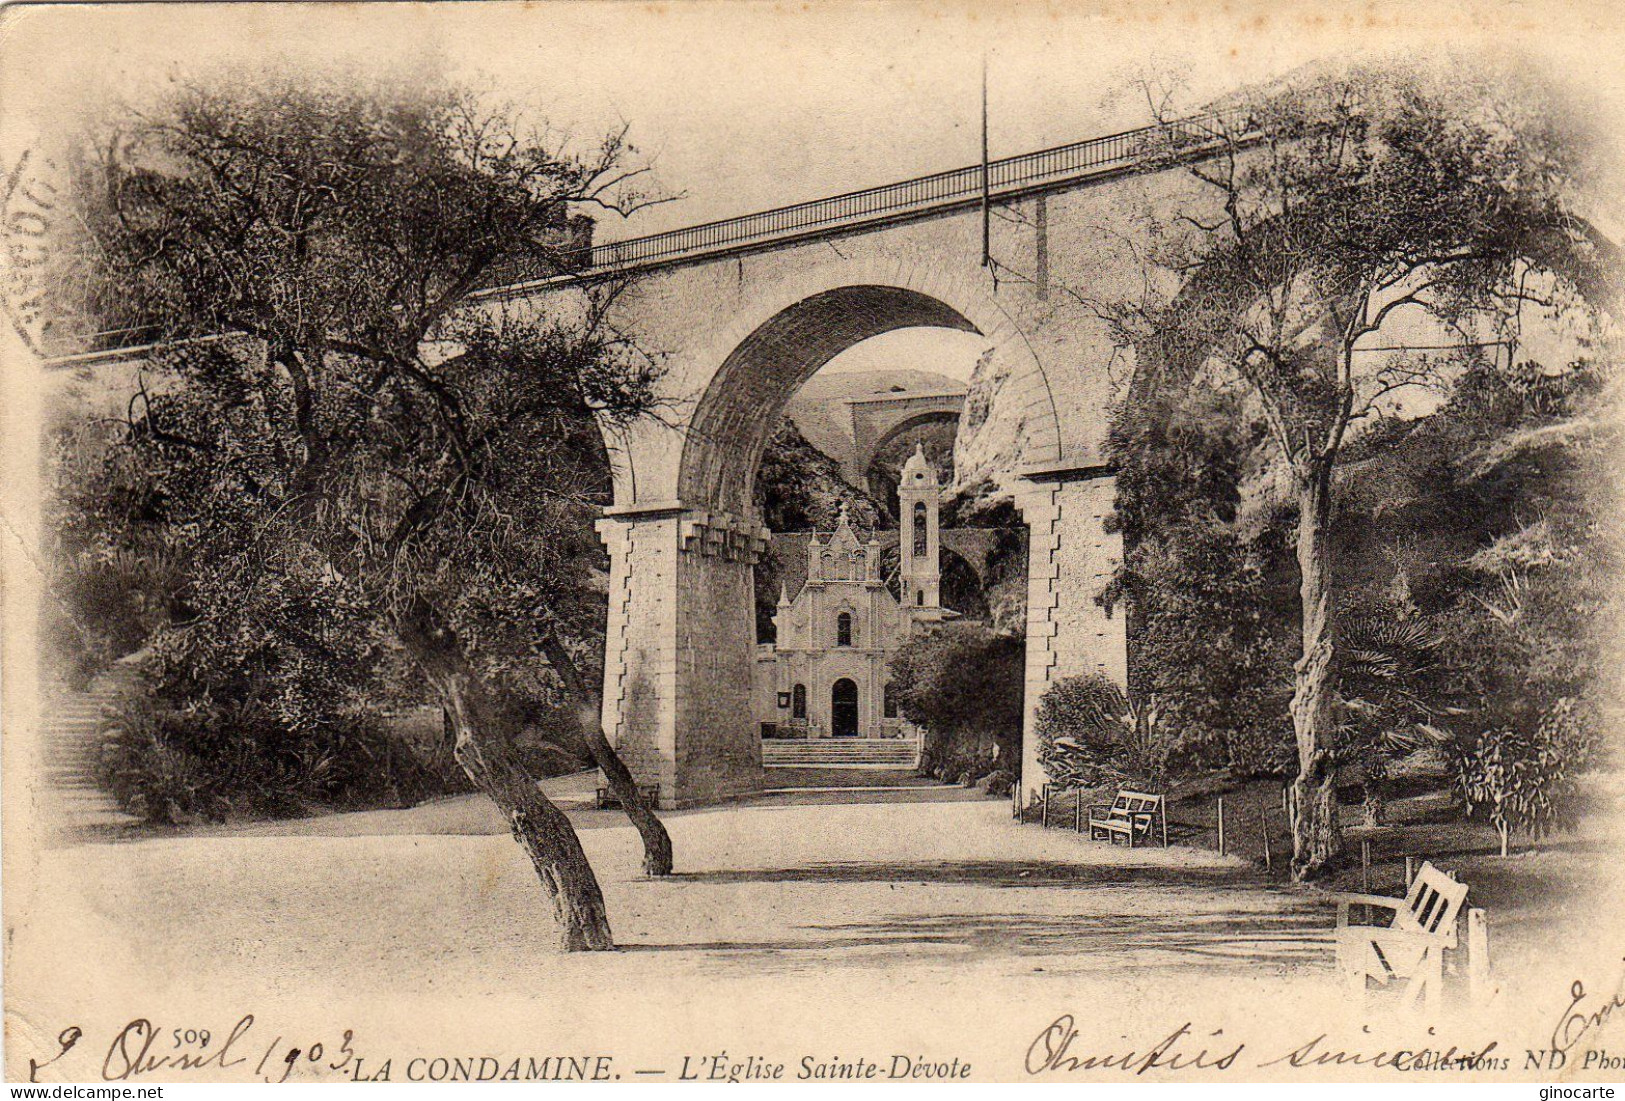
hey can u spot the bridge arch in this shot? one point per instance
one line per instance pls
(684, 534)
(776, 329)
(740, 381)
(877, 421)
(746, 397)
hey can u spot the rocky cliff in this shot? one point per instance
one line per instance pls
(989, 442)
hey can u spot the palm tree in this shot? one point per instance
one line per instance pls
(1388, 660)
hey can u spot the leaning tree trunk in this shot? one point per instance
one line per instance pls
(1317, 839)
(485, 750)
(588, 710)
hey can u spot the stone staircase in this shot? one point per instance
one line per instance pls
(888, 753)
(70, 740)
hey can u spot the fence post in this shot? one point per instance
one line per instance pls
(1365, 866)
(1410, 873)
(1478, 956)
(1077, 812)
(1221, 825)
(1264, 828)
(1043, 818)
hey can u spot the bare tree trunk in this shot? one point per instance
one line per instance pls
(484, 748)
(588, 709)
(1317, 839)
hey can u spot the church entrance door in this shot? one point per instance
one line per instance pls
(843, 708)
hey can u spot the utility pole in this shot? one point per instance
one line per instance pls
(987, 211)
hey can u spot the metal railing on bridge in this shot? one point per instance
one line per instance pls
(1025, 172)
(1145, 147)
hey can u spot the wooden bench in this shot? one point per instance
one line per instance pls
(1410, 947)
(1130, 816)
(608, 801)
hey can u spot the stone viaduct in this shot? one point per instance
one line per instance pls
(746, 310)
(881, 418)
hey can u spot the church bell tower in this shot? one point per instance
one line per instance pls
(918, 495)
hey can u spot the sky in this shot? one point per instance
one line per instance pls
(741, 106)
(746, 106)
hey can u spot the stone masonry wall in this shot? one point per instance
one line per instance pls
(640, 665)
(1070, 559)
(718, 749)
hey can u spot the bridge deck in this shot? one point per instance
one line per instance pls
(1046, 169)
(1027, 173)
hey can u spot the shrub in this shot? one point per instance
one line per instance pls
(1210, 625)
(1388, 678)
(113, 580)
(1089, 734)
(146, 767)
(171, 764)
(1527, 783)
(1263, 749)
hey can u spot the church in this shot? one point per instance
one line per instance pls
(828, 673)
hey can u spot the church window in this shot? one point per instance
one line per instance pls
(798, 702)
(920, 529)
(919, 598)
(843, 629)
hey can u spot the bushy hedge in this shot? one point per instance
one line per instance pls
(1208, 592)
(1089, 734)
(170, 764)
(962, 683)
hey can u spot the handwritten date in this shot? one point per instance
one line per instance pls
(143, 1047)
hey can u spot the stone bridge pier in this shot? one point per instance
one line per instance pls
(1070, 558)
(679, 650)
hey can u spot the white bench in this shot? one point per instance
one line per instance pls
(1130, 816)
(1410, 947)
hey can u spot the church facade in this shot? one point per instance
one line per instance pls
(828, 674)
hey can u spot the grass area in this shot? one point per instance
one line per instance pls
(1527, 895)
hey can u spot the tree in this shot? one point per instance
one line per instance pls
(1333, 212)
(1199, 582)
(336, 421)
(1528, 781)
(962, 683)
